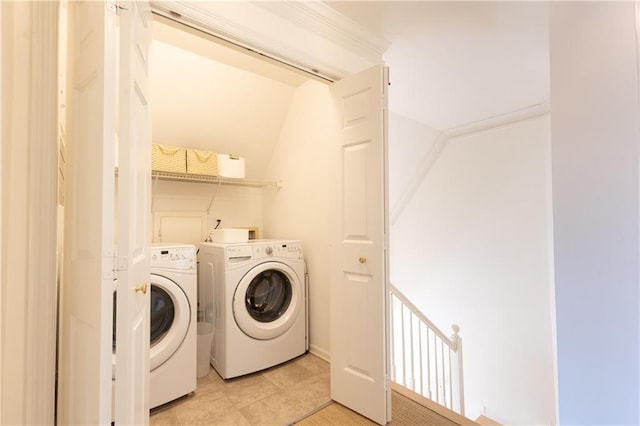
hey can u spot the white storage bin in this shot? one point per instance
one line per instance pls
(205, 337)
(231, 166)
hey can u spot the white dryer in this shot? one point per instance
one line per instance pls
(174, 289)
(255, 295)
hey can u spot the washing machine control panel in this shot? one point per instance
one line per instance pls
(285, 249)
(178, 257)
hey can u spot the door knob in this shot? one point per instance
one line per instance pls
(142, 288)
(362, 259)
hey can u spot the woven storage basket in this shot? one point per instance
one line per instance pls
(168, 159)
(202, 162)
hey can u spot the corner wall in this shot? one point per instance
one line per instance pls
(596, 166)
(413, 149)
(300, 209)
(473, 247)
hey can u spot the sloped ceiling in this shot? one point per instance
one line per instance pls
(210, 97)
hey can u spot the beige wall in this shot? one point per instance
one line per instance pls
(300, 209)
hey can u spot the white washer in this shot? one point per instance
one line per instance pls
(255, 296)
(174, 289)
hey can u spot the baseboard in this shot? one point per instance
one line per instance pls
(320, 353)
(433, 406)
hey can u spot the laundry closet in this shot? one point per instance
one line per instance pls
(212, 97)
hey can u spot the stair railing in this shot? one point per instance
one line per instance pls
(423, 358)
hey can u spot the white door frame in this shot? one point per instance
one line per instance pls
(29, 209)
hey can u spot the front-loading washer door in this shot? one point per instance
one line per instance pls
(267, 300)
(170, 314)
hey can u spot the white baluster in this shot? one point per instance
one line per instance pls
(404, 356)
(439, 366)
(391, 337)
(457, 378)
(420, 357)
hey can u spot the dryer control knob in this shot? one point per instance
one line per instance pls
(269, 250)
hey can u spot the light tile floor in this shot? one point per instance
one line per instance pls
(276, 396)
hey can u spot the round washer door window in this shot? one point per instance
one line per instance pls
(170, 314)
(267, 300)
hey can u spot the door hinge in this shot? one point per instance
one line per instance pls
(113, 264)
(120, 263)
(114, 7)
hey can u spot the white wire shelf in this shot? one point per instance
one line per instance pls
(184, 177)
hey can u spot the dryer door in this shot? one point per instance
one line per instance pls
(267, 300)
(170, 315)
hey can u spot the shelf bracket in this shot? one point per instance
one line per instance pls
(154, 187)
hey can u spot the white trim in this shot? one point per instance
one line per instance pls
(2, 149)
(551, 265)
(29, 156)
(283, 32)
(637, 40)
(326, 22)
(42, 211)
(14, 208)
(320, 353)
(532, 111)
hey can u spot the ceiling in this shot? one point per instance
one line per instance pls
(452, 64)
(455, 63)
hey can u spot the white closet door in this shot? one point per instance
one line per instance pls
(134, 217)
(84, 395)
(359, 289)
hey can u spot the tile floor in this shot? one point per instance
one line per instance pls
(276, 396)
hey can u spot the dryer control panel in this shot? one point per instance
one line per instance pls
(174, 257)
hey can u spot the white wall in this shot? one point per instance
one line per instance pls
(595, 137)
(300, 209)
(180, 210)
(472, 247)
